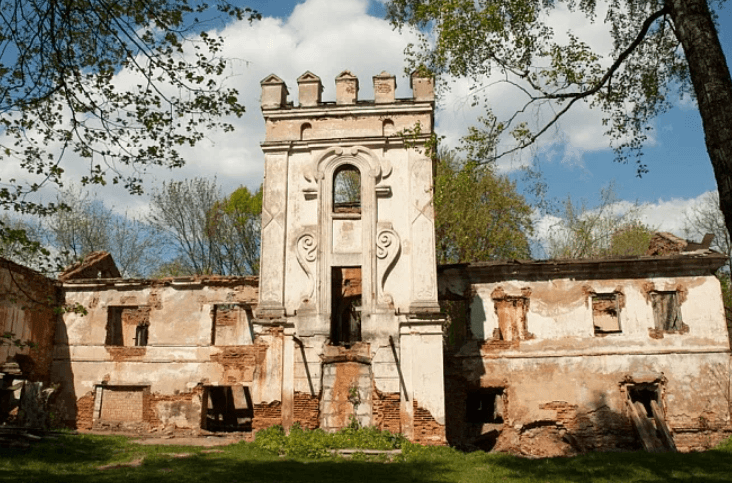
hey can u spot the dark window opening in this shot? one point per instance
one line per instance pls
(644, 394)
(227, 408)
(666, 311)
(606, 313)
(141, 335)
(127, 326)
(345, 306)
(347, 189)
(485, 406)
(114, 327)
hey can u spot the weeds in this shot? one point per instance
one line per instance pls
(302, 443)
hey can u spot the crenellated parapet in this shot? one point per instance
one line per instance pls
(348, 117)
(310, 88)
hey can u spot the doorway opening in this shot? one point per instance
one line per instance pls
(227, 409)
(346, 294)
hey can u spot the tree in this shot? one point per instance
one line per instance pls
(236, 223)
(208, 233)
(608, 230)
(25, 244)
(84, 224)
(511, 39)
(181, 210)
(479, 214)
(115, 86)
(706, 217)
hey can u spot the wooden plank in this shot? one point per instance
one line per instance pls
(665, 431)
(639, 422)
(650, 426)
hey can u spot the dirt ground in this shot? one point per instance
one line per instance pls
(181, 439)
(204, 441)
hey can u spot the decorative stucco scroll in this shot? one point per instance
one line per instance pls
(388, 249)
(306, 250)
(370, 162)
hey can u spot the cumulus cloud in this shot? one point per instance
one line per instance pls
(327, 37)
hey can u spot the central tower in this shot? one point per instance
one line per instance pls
(348, 254)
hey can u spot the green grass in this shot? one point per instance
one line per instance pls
(78, 458)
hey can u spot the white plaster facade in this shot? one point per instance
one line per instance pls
(389, 238)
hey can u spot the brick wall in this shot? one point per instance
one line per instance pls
(27, 303)
(307, 410)
(387, 415)
(85, 411)
(122, 404)
(266, 415)
(426, 429)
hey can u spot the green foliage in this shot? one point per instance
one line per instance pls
(85, 224)
(271, 439)
(235, 222)
(607, 230)
(303, 443)
(631, 239)
(514, 42)
(9, 339)
(64, 106)
(479, 214)
(726, 283)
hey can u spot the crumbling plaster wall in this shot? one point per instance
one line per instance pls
(179, 358)
(566, 387)
(28, 303)
(560, 315)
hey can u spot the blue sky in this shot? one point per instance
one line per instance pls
(679, 167)
(327, 37)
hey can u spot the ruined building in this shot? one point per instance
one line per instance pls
(348, 317)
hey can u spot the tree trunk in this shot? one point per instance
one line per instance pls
(712, 83)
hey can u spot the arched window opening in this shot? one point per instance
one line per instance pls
(347, 190)
(305, 131)
(388, 128)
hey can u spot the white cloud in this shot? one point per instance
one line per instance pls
(321, 36)
(662, 215)
(326, 37)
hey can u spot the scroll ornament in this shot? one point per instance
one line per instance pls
(388, 249)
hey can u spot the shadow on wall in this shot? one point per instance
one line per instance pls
(490, 417)
(65, 409)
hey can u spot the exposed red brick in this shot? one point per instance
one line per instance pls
(266, 415)
(664, 243)
(122, 404)
(307, 410)
(36, 296)
(151, 400)
(121, 354)
(427, 431)
(241, 363)
(85, 411)
(386, 410)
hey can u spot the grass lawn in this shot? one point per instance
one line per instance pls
(78, 459)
